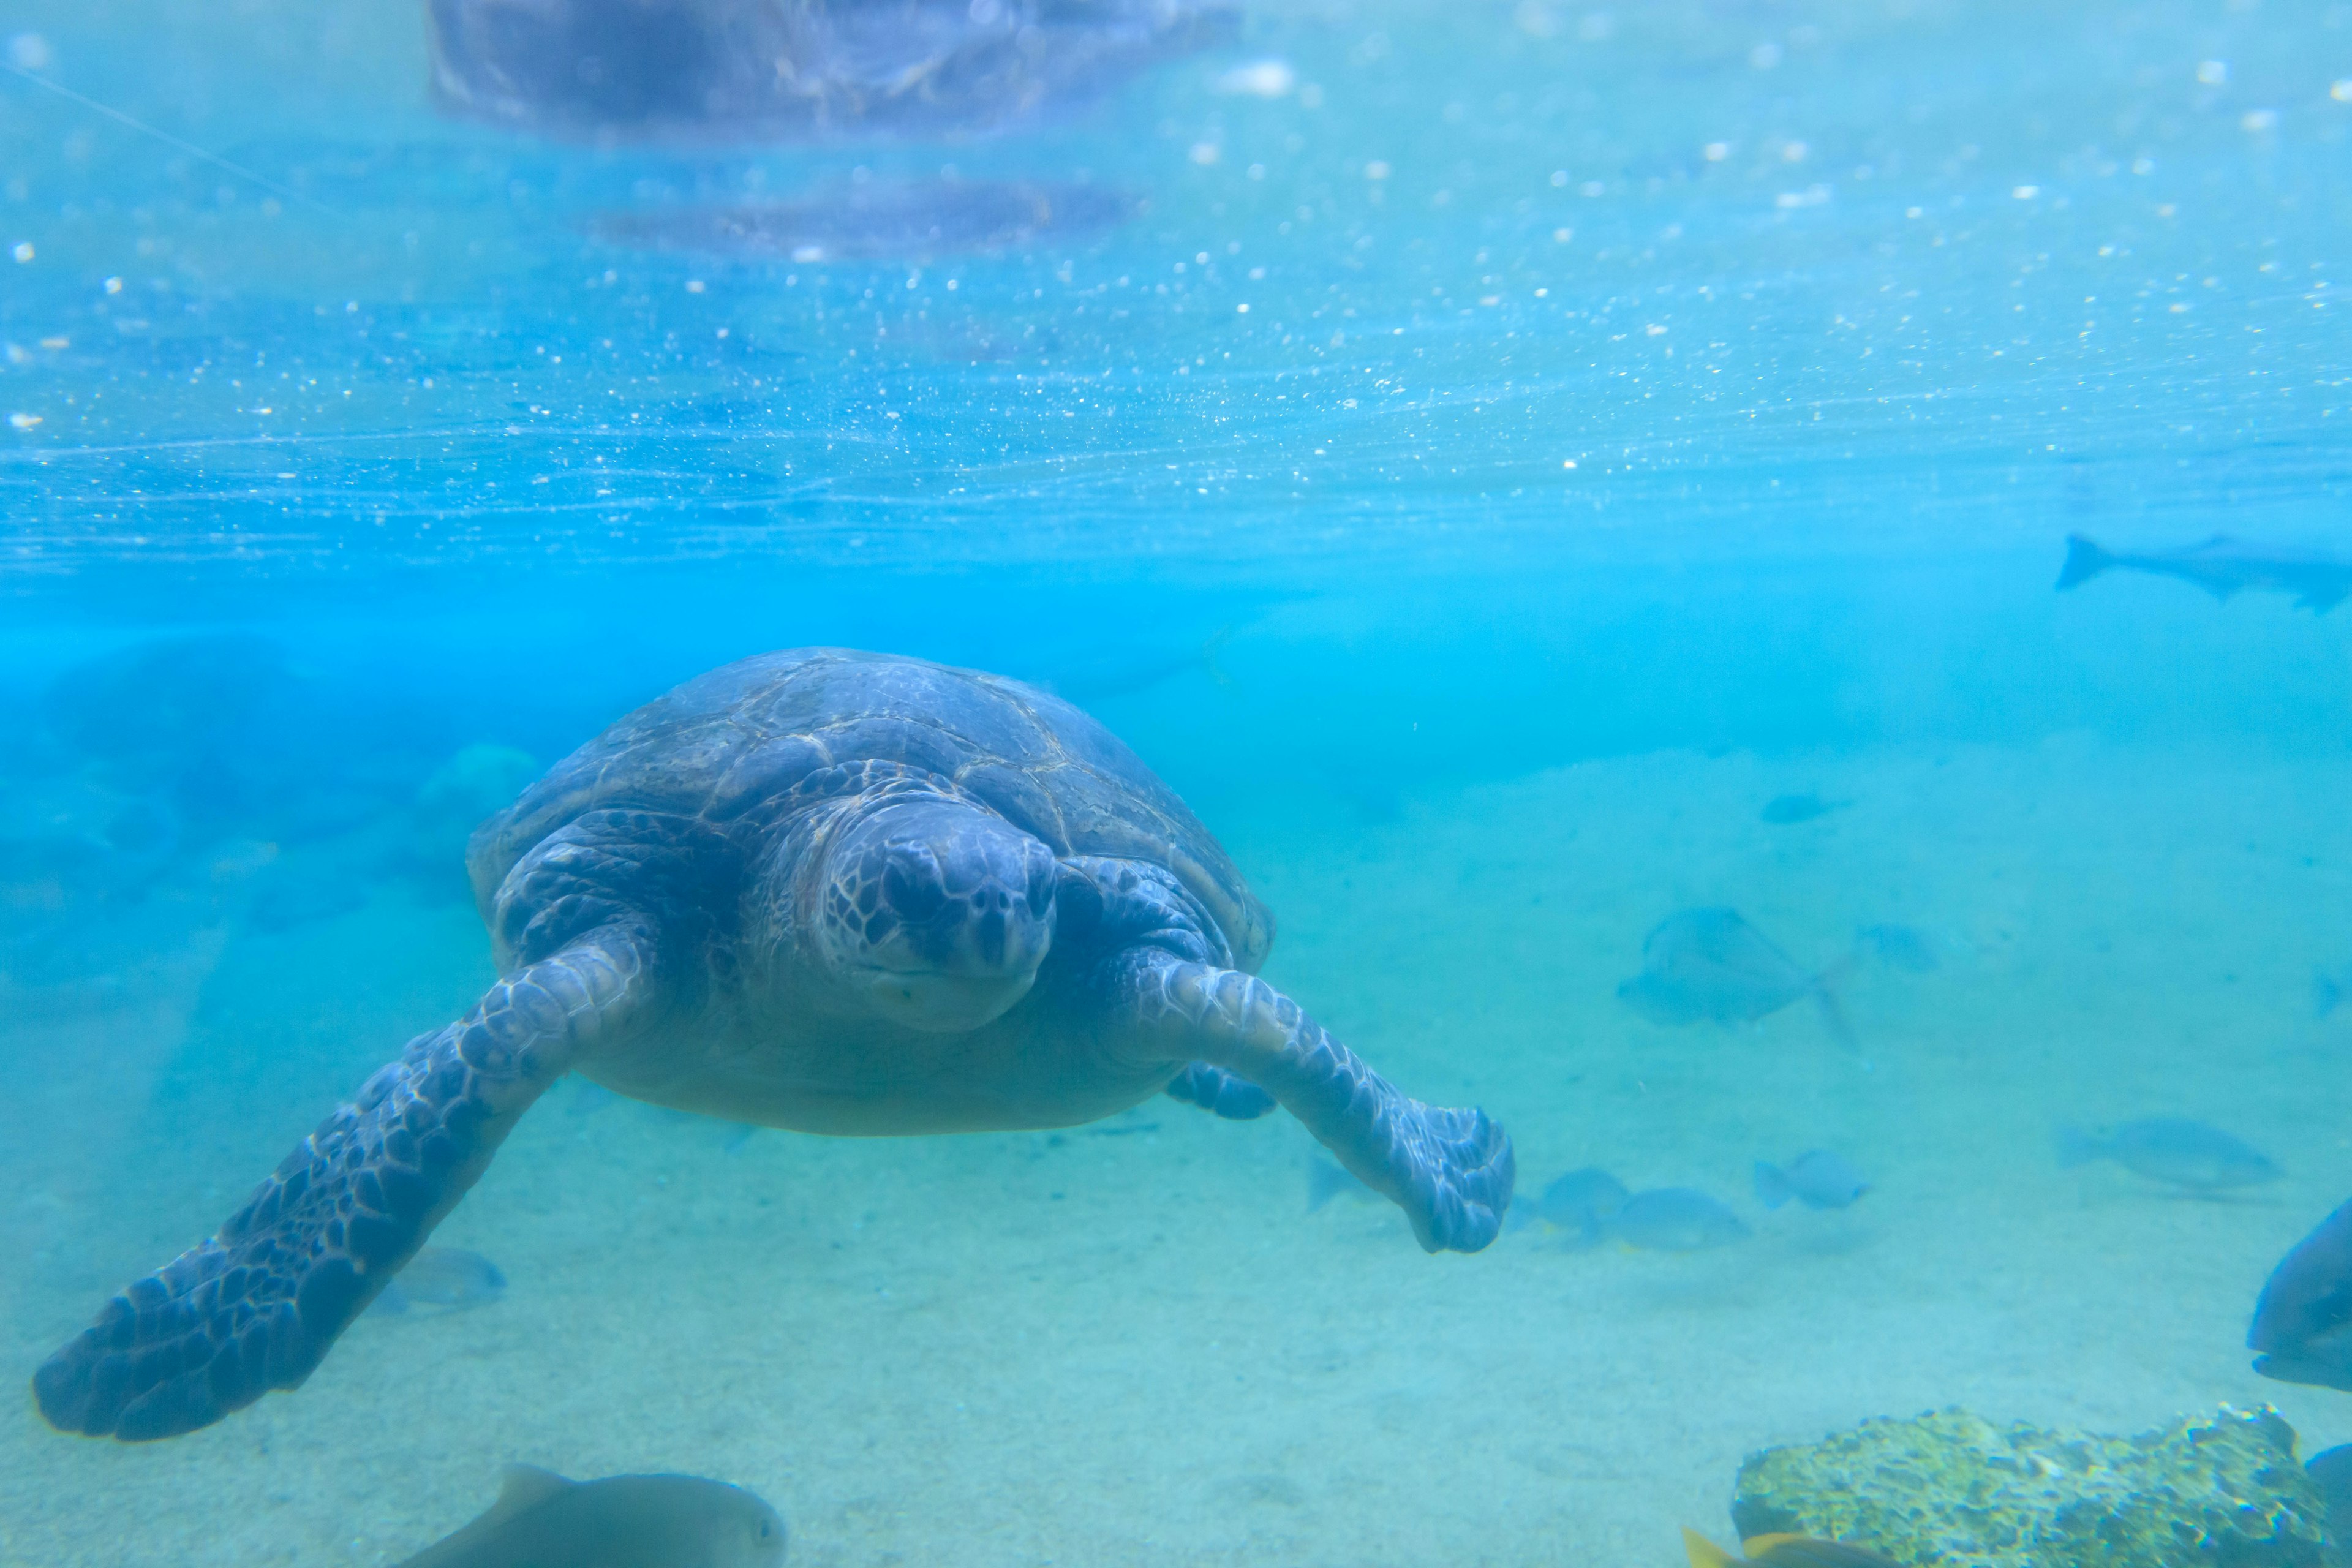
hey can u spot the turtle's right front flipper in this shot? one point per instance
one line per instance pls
(257, 1306)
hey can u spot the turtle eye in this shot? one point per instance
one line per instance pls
(912, 884)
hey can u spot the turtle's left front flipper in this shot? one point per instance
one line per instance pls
(1451, 1171)
(257, 1306)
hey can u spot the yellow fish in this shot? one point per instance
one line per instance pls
(1783, 1552)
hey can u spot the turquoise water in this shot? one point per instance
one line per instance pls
(1505, 449)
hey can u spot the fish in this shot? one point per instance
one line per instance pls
(1818, 1179)
(1783, 1552)
(1899, 947)
(898, 220)
(1673, 1219)
(1786, 810)
(620, 1522)
(1327, 1179)
(1709, 965)
(2331, 1470)
(448, 1277)
(1582, 1201)
(2170, 1149)
(2221, 567)
(2302, 1330)
(2327, 993)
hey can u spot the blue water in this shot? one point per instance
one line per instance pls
(1481, 475)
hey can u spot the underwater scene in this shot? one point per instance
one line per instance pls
(1176, 782)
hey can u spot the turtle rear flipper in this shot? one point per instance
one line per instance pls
(257, 1306)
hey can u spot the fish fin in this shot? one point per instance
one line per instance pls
(1706, 1554)
(392, 1301)
(2075, 1147)
(2319, 601)
(739, 1134)
(2084, 561)
(1833, 1010)
(522, 1487)
(2326, 995)
(1772, 1184)
(1325, 1181)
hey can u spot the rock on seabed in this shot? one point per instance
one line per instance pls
(1952, 1490)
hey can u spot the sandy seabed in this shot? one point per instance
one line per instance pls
(1130, 1343)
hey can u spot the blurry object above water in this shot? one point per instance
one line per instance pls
(1899, 947)
(1950, 1487)
(449, 1278)
(620, 1522)
(2221, 567)
(1818, 1179)
(1787, 810)
(761, 70)
(2302, 1330)
(1782, 1552)
(1582, 1202)
(1711, 966)
(814, 889)
(1673, 1219)
(880, 221)
(2175, 1148)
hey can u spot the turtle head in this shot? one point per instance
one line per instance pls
(936, 911)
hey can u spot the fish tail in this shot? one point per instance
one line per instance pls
(1833, 1018)
(2076, 1147)
(1706, 1554)
(1325, 1181)
(2084, 561)
(1772, 1184)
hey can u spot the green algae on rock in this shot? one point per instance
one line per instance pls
(1952, 1490)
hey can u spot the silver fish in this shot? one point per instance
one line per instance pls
(1673, 1219)
(1817, 1178)
(449, 1278)
(2221, 567)
(1582, 1202)
(1711, 966)
(2169, 1149)
(620, 1522)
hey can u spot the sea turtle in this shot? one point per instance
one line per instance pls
(836, 891)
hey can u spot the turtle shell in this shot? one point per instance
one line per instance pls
(724, 744)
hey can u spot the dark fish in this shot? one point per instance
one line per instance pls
(2331, 1469)
(898, 221)
(449, 1278)
(1783, 1552)
(1818, 1179)
(1900, 947)
(809, 70)
(2221, 567)
(1785, 810)
(2302, 1330)
(1673, 1219)
(620, 1522)
(1582, 1202)
(1711, 966)
(2169, 1149)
